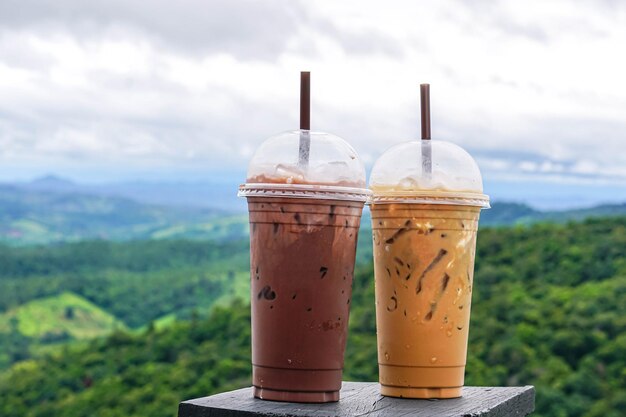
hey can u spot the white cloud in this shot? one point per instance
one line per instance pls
(203, 83)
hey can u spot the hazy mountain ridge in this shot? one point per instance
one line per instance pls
(506, 214)
(52, 209)
(32, 216)
(215, 194)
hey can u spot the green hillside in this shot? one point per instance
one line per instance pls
(65, 313)
(126, 375)
(223, 228)
(34, 216)
(137, 282)
(46, 324)
(508, 214)
(549, 310)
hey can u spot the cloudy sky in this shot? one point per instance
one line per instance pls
(126, 89)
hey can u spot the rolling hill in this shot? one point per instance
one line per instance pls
(507, 214)
(548, 309)
(214, 192)
(38, 217)
(65, 314)
(46, 324)
(53, 210)
(75, 291)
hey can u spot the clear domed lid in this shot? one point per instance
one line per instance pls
(429, 171)
(304, 160)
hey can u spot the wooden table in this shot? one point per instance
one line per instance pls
(363, 399)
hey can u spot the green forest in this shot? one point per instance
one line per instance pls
(139, 326)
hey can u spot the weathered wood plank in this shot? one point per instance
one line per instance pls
(363, 399)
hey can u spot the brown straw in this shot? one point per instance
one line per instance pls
(305, 100)
(425, 106)
(305, 119)
(427, 158)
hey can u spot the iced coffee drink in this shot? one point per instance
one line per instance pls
(424, 235)
(304, 223)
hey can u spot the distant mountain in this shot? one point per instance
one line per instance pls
(29, 216)
(220, 193)
(510, 214)
(52, 183)
(206, 194)
(506, 214)
(213, 193)
(52, 209)
(605, 210)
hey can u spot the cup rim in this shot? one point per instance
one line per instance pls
(317, 191)
(431, 197)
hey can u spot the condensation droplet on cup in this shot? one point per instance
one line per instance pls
(407, 346)
(449, 333)
(386, 356)
(433, 359)
(289, 361)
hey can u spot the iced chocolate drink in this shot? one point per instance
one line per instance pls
(302, 259)
(424, 235)
(304, 224)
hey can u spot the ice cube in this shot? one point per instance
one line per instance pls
(330, 172)
(291, 174)
(409, 183)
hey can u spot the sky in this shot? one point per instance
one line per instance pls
(124, 90)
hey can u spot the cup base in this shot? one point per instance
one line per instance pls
(296, 385)
(421, 381)
(425, 393)
(296, 396)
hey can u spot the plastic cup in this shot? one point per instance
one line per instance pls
(424, 225)
(304, 223)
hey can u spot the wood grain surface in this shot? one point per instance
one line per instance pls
(364, 399)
